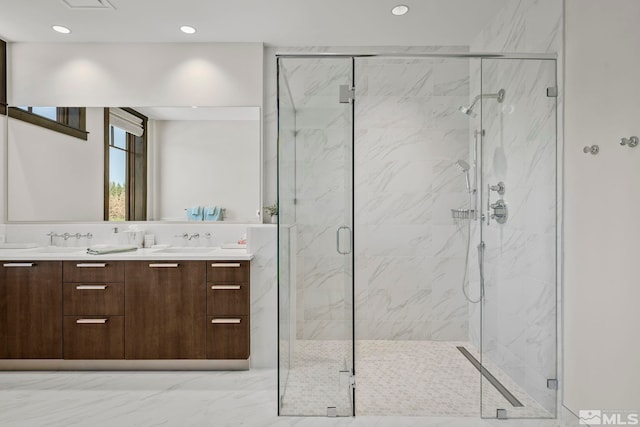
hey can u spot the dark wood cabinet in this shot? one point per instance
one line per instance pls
(31, 310)
(93, 272)
(228, 337)
(165, 310)
(137, 310)
(93, 337)
(93, 299)
(228, 290)
(93, 307)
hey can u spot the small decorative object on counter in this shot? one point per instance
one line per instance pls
(272, 211)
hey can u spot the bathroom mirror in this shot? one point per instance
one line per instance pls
(195, 156)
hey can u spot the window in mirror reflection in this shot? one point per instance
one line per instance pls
(67, 120)
(125, 165)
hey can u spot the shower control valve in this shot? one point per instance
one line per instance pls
(500, 211)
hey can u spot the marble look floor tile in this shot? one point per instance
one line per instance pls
(198, 399)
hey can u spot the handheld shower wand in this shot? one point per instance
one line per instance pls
(464, 167)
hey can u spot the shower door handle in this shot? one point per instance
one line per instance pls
(347, 252)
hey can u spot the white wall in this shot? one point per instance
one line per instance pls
(206, 163)
(602, 201)
(53, 176)
(133, 74)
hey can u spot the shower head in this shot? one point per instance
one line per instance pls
(467, 110)
(463, 166)
(499, 96)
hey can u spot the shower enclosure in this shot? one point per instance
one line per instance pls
(378, 311)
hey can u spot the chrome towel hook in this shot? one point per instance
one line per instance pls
(594, 149)
(632, 141)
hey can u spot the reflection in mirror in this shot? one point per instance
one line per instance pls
(201, 164)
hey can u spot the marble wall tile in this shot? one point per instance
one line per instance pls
(408, 136)
(264, 294)
(519, 312)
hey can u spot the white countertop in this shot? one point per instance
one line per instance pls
(151, 254)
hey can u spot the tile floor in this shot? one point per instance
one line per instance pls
(407, 378)
(181, 399)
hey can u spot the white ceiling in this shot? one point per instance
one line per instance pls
(274, 22)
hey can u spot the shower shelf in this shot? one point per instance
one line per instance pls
(463, 213)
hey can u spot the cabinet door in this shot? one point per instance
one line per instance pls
(31, 310)
(165, 310)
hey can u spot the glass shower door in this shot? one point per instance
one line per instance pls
(518, 199)
(315, 194)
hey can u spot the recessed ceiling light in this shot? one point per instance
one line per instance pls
(187, 29)
(400, 10)
(61, 29)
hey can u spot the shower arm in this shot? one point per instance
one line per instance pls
(499, 96)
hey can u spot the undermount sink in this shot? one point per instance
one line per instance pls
(179, 250)
(59, 249)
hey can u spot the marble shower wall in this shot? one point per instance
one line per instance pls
(409, 254)
(520, 148)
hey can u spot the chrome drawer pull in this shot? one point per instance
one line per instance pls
(163, 265)
(91, 321)
(92, 287)
(225, 264)
(92, 265)
(19, 264)
(225, 320)
(225, 287)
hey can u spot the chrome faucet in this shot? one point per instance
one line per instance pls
(194, 236)
(67, 236)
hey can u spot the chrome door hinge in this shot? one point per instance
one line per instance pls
(347, 94)
(552, 92)
(347, 379)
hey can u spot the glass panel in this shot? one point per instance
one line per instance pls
(118, 137)
(286, 231)
(117, 184)
(315, 184)
(48, 112)
(412, 318)
(73, 117)
(519, 306)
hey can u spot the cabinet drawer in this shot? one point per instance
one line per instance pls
(93, 271)
(228, 337)
(93, 299)
(230, 299)
(93, 337)
(228, 271)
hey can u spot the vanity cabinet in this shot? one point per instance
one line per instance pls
(165, 309)
(31, 310)
(93, 307)
(228, 328)
(125, 311)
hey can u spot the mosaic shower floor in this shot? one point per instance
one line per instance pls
(411, 378)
